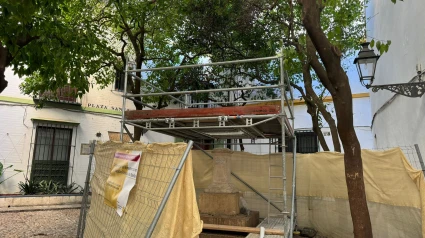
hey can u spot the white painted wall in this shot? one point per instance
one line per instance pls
(402, 123)
(16, 130)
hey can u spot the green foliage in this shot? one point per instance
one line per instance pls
(51, 43)
(30, 187)
(71, 188)
(48, 187)
(381, 46)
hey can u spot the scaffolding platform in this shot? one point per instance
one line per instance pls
(270, 223)
(240, 122)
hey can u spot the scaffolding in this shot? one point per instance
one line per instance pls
(274, 122)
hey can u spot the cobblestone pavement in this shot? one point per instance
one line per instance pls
(53, 223)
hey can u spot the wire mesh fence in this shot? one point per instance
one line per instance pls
(158, 171)
(412, 153)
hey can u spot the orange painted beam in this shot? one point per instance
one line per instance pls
(202, 112)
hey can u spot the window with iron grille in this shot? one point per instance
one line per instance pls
(307, 142)
(52, 149)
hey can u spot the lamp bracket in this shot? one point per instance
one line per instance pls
(412, 90)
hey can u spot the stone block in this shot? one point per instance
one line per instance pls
(221, 182)
(250, 220)
(219, 203)
(56, 200)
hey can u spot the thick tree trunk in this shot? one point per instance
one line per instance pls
(136, 90)
(338, 86)
(3, 65)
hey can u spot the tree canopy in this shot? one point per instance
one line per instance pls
(49, 41)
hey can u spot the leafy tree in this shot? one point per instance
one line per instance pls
(48, 41)
(146, 32)
(249, 29)
(318, 36)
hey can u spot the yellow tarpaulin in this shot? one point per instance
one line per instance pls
(180, 217)
(395, 191)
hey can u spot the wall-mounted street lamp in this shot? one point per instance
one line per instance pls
(366, 65)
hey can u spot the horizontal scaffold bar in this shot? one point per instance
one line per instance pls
(206, 64)
(201, 91)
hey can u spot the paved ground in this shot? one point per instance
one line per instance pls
(52, 223)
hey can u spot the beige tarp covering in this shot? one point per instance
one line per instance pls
(395, 191)
(180, 217)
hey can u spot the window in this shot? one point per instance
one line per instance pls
(119, 81)
(307, 142)
(52, 150)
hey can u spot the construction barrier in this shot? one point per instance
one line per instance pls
(395, 191)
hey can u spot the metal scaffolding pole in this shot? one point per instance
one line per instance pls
(207, 64)
(201, 91)
(294, 171)
(124, 101)
(83, 210)
(282, 102)
(157, 88)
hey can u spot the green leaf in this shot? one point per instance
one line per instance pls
(394, 1)
(372, 43)
(378, 45)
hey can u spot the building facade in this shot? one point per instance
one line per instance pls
(51, 143)
(397, 120)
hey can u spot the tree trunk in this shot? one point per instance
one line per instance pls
(3, 65)
(318, 131)
(326, 115)
(308, 84)
(241, 145)
(339, 87)
(312, 110)
(136, 86)
(136, 90)
(312, 106)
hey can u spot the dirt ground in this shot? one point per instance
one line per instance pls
(54, 223)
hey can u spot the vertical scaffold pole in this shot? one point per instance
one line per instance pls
(282, 117)
(83, 210)
(294, 172)
(124, 101)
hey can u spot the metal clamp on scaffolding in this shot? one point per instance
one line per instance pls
(170, 121)
(195, 123)
(222, 120)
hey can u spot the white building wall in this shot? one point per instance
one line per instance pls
(16, 130)
(402, 122)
